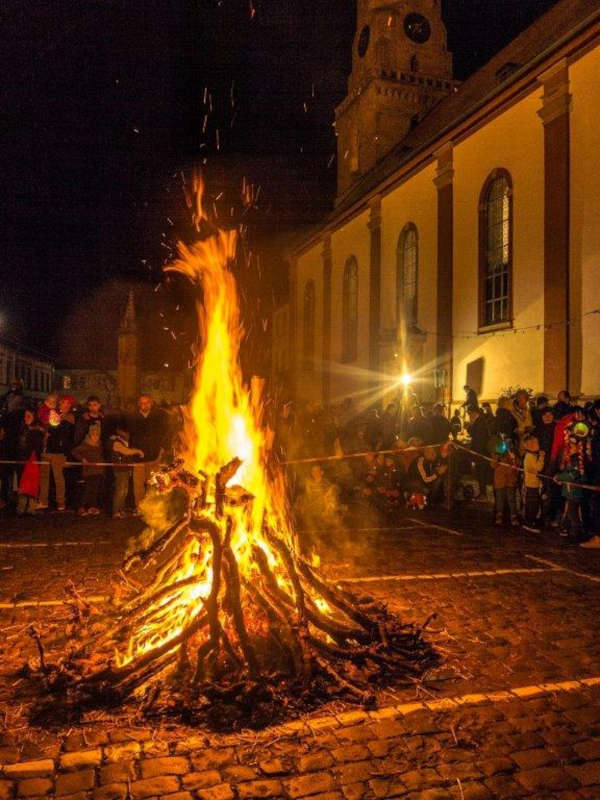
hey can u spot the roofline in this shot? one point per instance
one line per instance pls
(24, 349)
(516, 84)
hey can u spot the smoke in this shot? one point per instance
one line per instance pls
(160, 511)
(329, 509)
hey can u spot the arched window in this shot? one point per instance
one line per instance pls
(308, 327)
(350, 310)
(414, 64)
(495, 249)
(407, 276)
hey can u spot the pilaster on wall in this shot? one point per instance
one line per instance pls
(554, 113)
(326, 359)
(293, 324)
(374, 226)
(444, 181)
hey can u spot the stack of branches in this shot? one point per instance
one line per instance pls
(209, 633)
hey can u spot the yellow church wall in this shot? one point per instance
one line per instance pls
(353, 239)
(413, 201)
(585, 224)
(309, 267)
(513, 141)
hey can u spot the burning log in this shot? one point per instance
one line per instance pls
(234, 622)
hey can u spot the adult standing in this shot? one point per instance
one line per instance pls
(564, 405)
(46, 415)
(93, 416)
(440, 425)
(522, 415)
(471, 399)
(505, 423)
(59, 442)
(480, 436)
(11, 415)
(148, 433)
(13, 401)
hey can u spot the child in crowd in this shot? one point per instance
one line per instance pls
(90, 453)
(505, 481)
(29, 448)
(533, 464)
(455, 424)
(120, 453)
(571, 523)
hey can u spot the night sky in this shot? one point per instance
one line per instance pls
(104, 106)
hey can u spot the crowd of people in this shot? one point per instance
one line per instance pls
(71, 457)
(537, 461)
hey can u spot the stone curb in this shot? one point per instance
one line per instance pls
(128, 750)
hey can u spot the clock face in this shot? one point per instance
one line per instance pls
(417, 28)
(363, 40)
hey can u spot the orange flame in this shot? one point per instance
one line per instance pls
(222, 421)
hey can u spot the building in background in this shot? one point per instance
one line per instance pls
(33, 369)
(465, 241)
(120, 388)
(128, 356)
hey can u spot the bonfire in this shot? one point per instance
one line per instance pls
(226, 611)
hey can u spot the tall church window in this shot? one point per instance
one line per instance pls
(495, 249)
(308, 326)
(407, 276)
(350, 310)
(414, 64)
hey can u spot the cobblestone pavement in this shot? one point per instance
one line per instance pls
(513, 711)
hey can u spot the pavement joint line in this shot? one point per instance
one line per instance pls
(437, 527)
(94, 598)
(444, 575)
(19, 545)
(561, 568)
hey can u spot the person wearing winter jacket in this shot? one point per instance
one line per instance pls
(533, 464)
(92, 417)
(59, 441)
(47, 408)
(522, 414)
(572, 517)
(30, 443)
(121, 453)
(90, 453)
(504, 464)
(505, 424)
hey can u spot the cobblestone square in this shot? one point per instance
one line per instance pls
(512, 711)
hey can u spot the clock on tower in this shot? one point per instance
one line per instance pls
(400, 68)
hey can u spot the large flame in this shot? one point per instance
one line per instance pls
(223, 421)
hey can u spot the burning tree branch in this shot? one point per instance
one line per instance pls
(233, 614)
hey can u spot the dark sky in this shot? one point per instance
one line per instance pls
(103, 104)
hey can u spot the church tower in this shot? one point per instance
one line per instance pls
(400, 68)
(128, 375)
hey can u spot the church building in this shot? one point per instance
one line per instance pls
(119, 388)
(464, 246)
